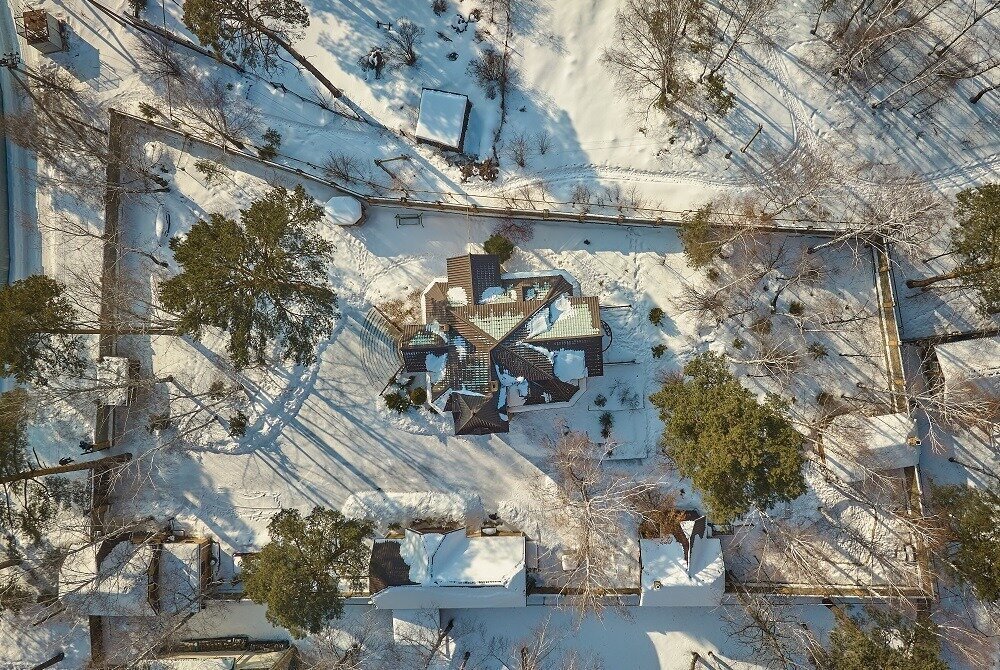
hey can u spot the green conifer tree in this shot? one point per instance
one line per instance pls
(298, 574)
(262, 278)
(976, 243)
(35, 317)
(701, 245)
(971, 517)
(882, 640)
(739, 452)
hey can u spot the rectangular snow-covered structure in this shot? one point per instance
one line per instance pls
(443, 118)
(854, 447)
(974, 362)
(684, 570)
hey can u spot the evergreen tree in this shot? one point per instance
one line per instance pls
(299, 572)
(253, 32)
(976, 243)
(34, 319)
(700, 244)
(13, 432)
(971, 517)
(499, 246)
(739, 452)
(881, 640)
(261, 278)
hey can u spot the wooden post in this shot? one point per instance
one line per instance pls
(760, 127)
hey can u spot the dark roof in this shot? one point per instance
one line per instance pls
(387, 567)
(510, 331)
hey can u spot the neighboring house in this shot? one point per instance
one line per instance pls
(443, 119)
(233, 653)
(856, 447)
(136, 576)
(492, 344)
(685, 569)
(451, 569)
(973, 362)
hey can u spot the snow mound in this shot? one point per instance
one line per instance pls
(343, 210)
(569, 365)
(457, 296)
(385, 508)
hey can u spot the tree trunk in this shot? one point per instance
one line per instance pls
(115, 331)
(978, 96)
(955, 274)
(303, 61)
(75, 467)
(49, 663)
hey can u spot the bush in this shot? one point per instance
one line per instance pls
(659, 350)
(148, 111)
(489, 71)
(238, 424)
(212, 171)
(817, 350)
(718, 96)
(499, 246)
(607, 421)
(398, 400)
(713, 274)
(656, 316)
(418, 395)
(738, 343)
(272, 140)
(518, 149)
(600, 400)
(440, 7)
(761, 326)
(796, 308)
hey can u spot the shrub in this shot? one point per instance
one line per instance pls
(212, 171)
(148, 111)
(600, 400)
(718, 95)
(762, 326)
(738, 343)
(659, 350)
(796, 308)
(272, 140)
(607, 421)
(238, 424)
(656, 316)
(418, 395)
(713, 274)
(518, 149)
(399, 401)
(440, 7)
(499, 246)
(817, 350)
(489, 71)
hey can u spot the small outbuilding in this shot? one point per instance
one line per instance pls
(41, 30)
(344, 210)
(854, 447)
(685, 569)
(443, 119)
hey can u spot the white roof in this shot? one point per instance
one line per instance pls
(119, 588)
(442, 117)
(343, 210)
(180, 577)
(113, 380)
(854, 446)
(225, 663)
(454, 570)
(976, 360)
(671, 580)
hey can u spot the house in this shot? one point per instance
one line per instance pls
(137, 575)
(685, 569)
(453, 569)
(41, 30)
(855, 447)
(230, 653)
(443, 119)
(492, 344)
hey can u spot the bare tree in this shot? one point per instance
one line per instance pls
(403, 40)
(776, 638)
(208, 107)
(598, 509)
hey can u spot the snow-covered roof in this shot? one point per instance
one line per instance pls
(442, 118)
(113, 380)
(180, 577)
(976, 360)
(674, 577)
(119, 588)
(225, 663)
(454, 570)
(855, 446)
(343, 210)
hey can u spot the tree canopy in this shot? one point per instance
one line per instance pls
(262, 278)
(971, 517)
(739, 452)
(882, 640)
(34, 315)
(248, 32)
(298, 573)
(976, 244)
(13, 432)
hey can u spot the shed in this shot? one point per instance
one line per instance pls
(443, 118)
(41, 30)
(855, 446)
(686, 570)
